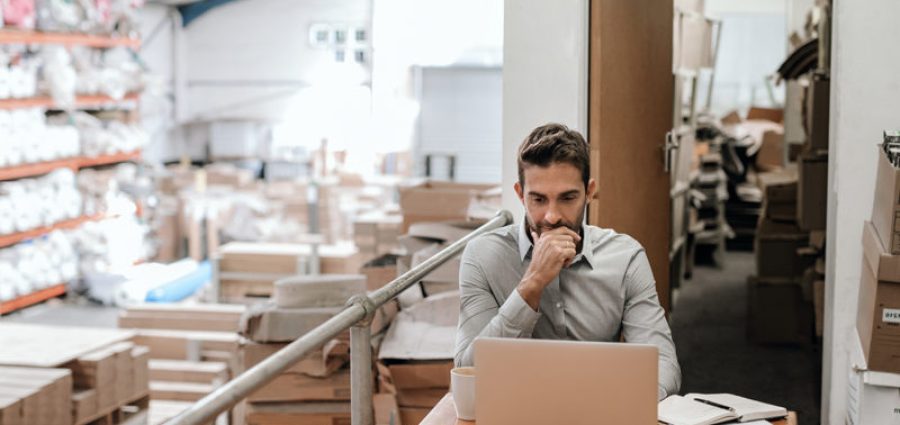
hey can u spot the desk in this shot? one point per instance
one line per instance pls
(445, 414)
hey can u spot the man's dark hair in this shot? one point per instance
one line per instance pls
(554, 143)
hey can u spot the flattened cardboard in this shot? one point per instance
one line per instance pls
(437, 201)
(318, 413)
(270, 324)
(386, 409)
(426, 397)
(425, 331)
(418, 374)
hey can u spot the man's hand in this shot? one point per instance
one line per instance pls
(554, 250)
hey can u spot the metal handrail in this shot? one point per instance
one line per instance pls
(356, 316)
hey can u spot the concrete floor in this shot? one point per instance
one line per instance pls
(708, 324)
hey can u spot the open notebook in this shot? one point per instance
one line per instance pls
(709, 409)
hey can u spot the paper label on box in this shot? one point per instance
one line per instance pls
(890, 315)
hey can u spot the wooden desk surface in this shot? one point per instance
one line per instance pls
(445, 414)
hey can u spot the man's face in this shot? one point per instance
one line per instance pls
(554, 196)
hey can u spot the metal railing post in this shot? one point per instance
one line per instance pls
(361, 381)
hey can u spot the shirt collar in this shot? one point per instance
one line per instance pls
(525, 246)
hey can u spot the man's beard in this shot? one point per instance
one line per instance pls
(544, 226)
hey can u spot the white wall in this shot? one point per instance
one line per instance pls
(157, 108)
(248, 58)
(864, 86)
(545, 66)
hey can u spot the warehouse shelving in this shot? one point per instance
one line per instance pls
(67, 39)
(40, 168)
(81, 102)
(32, 298)
(14, 238)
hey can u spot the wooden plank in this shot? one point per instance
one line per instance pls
(298, 387)
(37, 169)
(84, 404)
(97, 371)
(189, 311)
(173, 344)
(26, 344)
(140, 356)
(54, 391)
(10, 410)
(135, 320)
(180, 391)
(124, 382)
(109, 159)
(215, 373)
(321, 413)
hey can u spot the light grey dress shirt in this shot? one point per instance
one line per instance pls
(608, 289)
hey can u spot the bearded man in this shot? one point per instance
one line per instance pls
(554, 277)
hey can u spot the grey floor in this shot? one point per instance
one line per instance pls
(708, 325)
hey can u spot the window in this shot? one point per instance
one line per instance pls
(360, 36)
(339, 55)
(340, 36)
(360, 56)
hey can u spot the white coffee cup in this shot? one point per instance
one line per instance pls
(462, 384)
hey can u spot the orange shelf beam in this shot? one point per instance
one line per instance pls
(41, 168)
(109, 159)
(32, 298)
(81, 102)
(30, 170)
(66, 39)
(12, 239)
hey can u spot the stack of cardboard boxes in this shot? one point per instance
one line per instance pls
(875, 375)
(250, 269)
(318, 386)
(376, 232)
(416, 358)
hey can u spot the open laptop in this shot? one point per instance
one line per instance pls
(531, 381)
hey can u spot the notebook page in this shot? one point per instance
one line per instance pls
(678, 410)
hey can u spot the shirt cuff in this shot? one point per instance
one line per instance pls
(518, 314)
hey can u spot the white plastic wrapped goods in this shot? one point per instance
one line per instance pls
(31, 140)
(111, 245)
(37, 264)
(58, 15)
(31, 203)
(59, 75)
(105, 138)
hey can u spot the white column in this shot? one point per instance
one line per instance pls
(545, 68)
(864, 87)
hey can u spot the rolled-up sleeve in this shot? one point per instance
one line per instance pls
(644, 321)
(481, 315)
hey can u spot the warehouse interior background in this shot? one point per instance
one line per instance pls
(164, 162)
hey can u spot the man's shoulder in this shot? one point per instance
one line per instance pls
(497, 239)
(604, 239)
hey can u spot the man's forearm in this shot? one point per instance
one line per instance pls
(531, 292)
(514, 319)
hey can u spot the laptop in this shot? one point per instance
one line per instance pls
(531, 381)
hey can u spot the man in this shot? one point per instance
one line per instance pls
(553, 277)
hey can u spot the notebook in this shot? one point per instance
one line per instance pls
(710, 409)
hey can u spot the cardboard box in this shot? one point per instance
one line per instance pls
(768, 114)
(436, 201)
(812, 191)
(426, 397)
(299, 387)
(886, 208)
(386, 410)
(417, 375)
(413, 415)
(319, 413)
(777, 312)
(84, 404)
(878, 319)
(380, 271)
(318, 364)
(771, 153)
(777, 246)
(124, 372)
(140, 357)
(818, 100)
